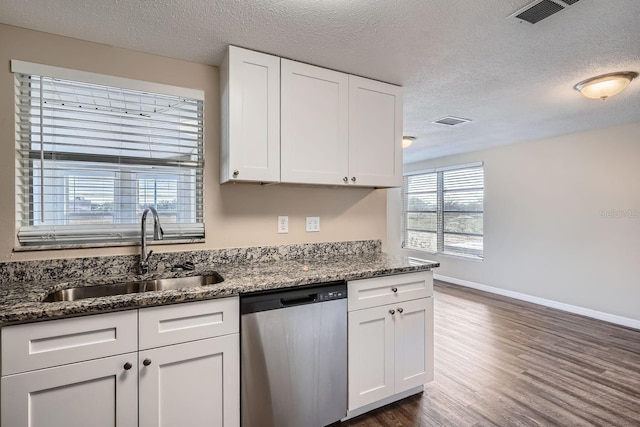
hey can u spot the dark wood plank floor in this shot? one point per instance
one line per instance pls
(504, 362)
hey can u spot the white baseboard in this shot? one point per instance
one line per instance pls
(612, 318)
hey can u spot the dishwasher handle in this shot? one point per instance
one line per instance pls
(274, 299)
(306, 299)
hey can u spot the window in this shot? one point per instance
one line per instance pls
(92, 157)
(443, 211)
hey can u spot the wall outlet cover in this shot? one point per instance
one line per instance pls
(313, 223)
(283, 224)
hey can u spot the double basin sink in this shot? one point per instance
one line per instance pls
(133, 287)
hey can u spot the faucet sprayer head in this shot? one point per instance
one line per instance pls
(158, 232)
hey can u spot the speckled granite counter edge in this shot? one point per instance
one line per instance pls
(242, 277)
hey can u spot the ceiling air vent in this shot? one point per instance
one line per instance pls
(541, 9)
(451, 121)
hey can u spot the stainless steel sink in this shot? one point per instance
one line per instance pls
(73, 294)
(182, 282)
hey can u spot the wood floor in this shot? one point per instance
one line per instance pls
(504, 362)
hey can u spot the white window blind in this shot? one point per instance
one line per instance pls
(443, 211)
(421, 212)
(92, 157)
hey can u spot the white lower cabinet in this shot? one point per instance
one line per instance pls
(371, 356)
(192, 384)
(390, 345)
(413, 343)
(193, 380)
(97, 393)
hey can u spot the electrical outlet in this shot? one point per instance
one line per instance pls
(283, 224)
(313, 223)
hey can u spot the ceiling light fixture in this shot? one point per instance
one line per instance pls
(606, 85)
(407, 141)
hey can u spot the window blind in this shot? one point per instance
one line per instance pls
(443, 211)
(92, 157)
(462, 212)
(420, 201)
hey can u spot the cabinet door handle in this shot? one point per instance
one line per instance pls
(345, 179)
(146, 362)
(394, 290)
(400, 310)
(353, 178)
(236, 173)
(127, 366)
(392, 312)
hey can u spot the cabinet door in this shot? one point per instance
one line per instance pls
(314, 140)
(413, 343)
(191, 384)
(371, 356)
(375, 133)
(250, 87)
(97, 393)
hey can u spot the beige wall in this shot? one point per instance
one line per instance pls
(236, 215)
(547, 233)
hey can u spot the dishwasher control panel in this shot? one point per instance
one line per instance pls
(291, 297)
(331, 295)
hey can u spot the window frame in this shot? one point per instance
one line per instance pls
(441, 211)
(42, 237)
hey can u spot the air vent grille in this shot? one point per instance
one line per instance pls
(539, 11)
(451, 121)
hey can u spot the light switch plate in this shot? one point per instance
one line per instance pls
(283, 224)
(313, 223)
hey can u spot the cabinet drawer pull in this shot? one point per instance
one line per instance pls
(146, 362)
(392, 312)
(353, 178)
(400, 310)
(127, 366)
(345, 179)
(236, 173)
(394, 290)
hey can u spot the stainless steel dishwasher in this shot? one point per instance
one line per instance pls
(294, 356)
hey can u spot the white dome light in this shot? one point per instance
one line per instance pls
(606, 85)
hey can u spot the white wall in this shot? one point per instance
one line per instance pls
(554, 223)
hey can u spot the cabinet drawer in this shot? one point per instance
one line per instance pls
(58, 342)
(179, 323)
(367, 293)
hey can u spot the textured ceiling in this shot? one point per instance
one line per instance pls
(461, 58)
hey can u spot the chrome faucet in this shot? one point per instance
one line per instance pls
(157, 235)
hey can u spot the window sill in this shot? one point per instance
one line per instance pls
(462, 257)
(66, 246)
(441, 254)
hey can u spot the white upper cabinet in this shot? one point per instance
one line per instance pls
(250, 91)
(315, 126)
(375, 133)
(286, 121)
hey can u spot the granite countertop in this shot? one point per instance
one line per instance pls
(22, 301)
